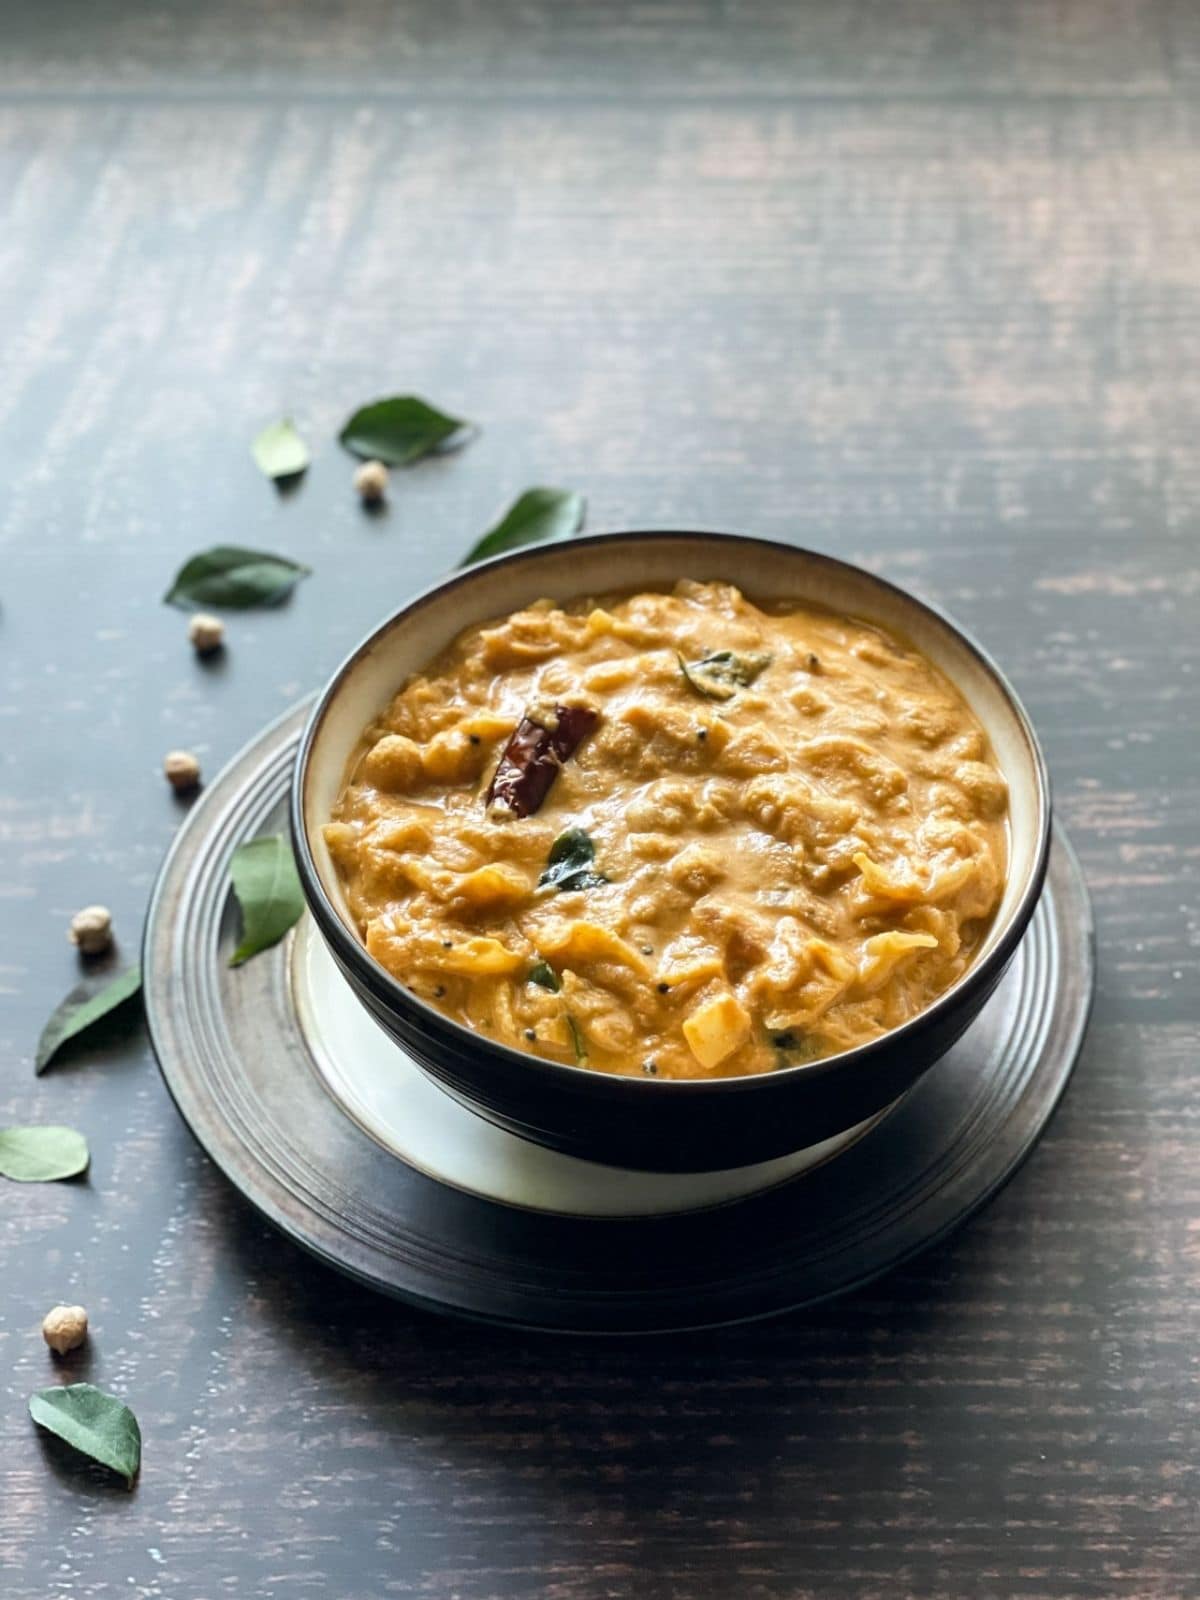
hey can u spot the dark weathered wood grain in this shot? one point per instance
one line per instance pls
(916, 283)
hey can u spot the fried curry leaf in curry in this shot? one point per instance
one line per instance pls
(544, 975)
(793, 1049)
(720, 674)
(570, 865)
(578, 1044)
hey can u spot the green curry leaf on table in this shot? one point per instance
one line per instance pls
(279, 451)
(42, 1154)
(230, 575)
(268, 891)
(400, 430)
(96, 1424)
(539, 516)
(82, 1009)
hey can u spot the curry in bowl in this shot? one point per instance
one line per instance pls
(674, 833)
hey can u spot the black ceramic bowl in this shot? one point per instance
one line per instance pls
(650, 1123)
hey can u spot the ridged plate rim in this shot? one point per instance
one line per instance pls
(317, 1175)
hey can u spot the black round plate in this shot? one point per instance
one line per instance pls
(232, 1056)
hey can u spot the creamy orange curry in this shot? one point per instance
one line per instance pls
(676, 834)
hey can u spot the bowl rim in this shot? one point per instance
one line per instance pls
(395, 996)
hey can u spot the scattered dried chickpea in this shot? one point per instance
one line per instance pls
(371, 482)
(65, 1328)
(207, 633)
(91, 930)
(182, 770)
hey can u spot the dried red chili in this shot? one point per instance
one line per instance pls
(533, 755)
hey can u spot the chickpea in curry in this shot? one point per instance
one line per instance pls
(679, 834)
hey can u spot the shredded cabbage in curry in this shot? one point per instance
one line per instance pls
(779, 833)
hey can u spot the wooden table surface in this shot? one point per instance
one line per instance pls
(918, 284)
